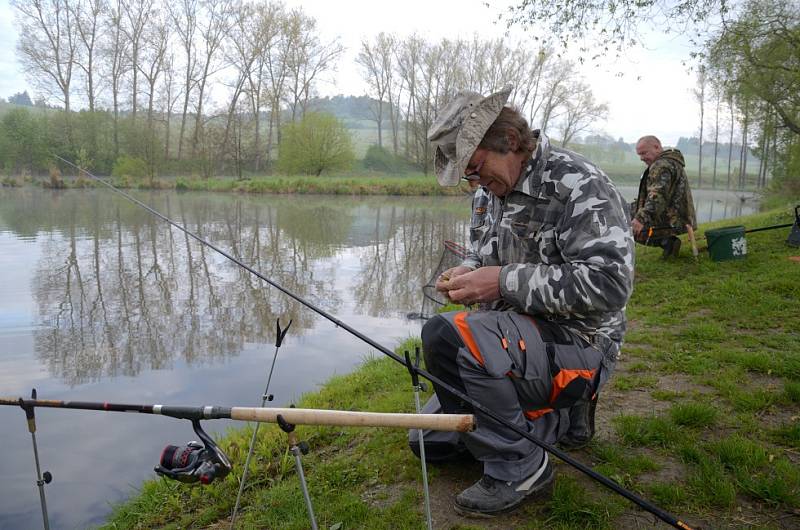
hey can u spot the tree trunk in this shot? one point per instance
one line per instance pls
(743, 151)
(730, 144)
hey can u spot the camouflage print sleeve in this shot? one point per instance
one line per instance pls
(480, 223)
(596, 274)
(658, 184)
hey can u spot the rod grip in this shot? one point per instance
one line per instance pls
(346, 418)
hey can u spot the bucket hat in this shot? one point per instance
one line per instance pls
(459, 128)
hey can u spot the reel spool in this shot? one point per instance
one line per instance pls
(195, 461)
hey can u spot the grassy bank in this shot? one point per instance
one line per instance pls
(351, 183)
(702, 417)
(416, 184)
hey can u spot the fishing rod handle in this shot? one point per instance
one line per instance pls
(346, 418)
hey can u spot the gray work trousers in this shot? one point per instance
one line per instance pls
(507, 363)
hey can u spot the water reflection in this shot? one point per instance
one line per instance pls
(119, 292)
(712, 205)
(405, 249)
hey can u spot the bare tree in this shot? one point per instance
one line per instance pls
(700, 95)
(48, 45)
(439, 76)
(268, 31)
(155, 42)
(215, 21)
(277, 71)
(114, 49)
(580, 112)
(376, 60)
(87, 15)
(184, 18)
(718, 103)
(743, 150)
(730, 140)
(136, 15)
(244, 53)
(767, 128)
(476, 58)
(241, 52)
(556, 93)
(409, 54)
(527, 90)
(308, 58)
(169, 97)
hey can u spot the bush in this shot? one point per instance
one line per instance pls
(55, 182)
(379, 159)
(319, 142)
(128, 167)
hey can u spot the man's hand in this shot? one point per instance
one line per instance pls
(443, 281)
(480, 285)
(637, 227)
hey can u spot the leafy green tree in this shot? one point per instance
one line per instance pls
(758, 55)
(319, 142)
(755, 60)
(129, 167)
(600, 27)
(139, 141)
(23, 145)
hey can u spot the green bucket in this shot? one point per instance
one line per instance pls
(726, 243)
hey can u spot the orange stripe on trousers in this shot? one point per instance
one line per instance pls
(466, 334)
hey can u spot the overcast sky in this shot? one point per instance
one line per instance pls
(651, 96)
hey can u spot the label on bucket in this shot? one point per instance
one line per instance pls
(739, 246)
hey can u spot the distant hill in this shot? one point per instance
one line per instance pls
(348, 108)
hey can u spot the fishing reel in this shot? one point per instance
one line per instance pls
(194, 461)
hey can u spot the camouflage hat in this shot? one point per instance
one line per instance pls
(459, 128)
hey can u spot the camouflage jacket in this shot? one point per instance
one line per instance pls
(563, 239)
(665, 199)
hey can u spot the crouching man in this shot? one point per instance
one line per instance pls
(552, 274)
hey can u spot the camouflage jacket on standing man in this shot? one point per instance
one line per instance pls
(563, 239)
(665, 199)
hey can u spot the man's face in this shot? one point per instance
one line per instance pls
(497, 171)
(648, 152)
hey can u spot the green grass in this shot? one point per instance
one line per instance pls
(787, 434)
(646, 431)
(571, 506)
(693, 414)
(702, 418)
(415, 184)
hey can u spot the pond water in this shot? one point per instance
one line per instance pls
(102, 301)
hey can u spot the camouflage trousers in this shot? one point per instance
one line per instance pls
(528, 371)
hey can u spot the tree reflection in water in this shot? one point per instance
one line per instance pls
(119, 291)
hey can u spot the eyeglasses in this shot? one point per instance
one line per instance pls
(473, 174)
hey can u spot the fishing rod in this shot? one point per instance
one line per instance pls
(340, 418)
(204, 461)
(602, 479)
(653, 230)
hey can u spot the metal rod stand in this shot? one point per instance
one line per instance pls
(41, 478)
(420, 386)
(297, 449)
(264, 398)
